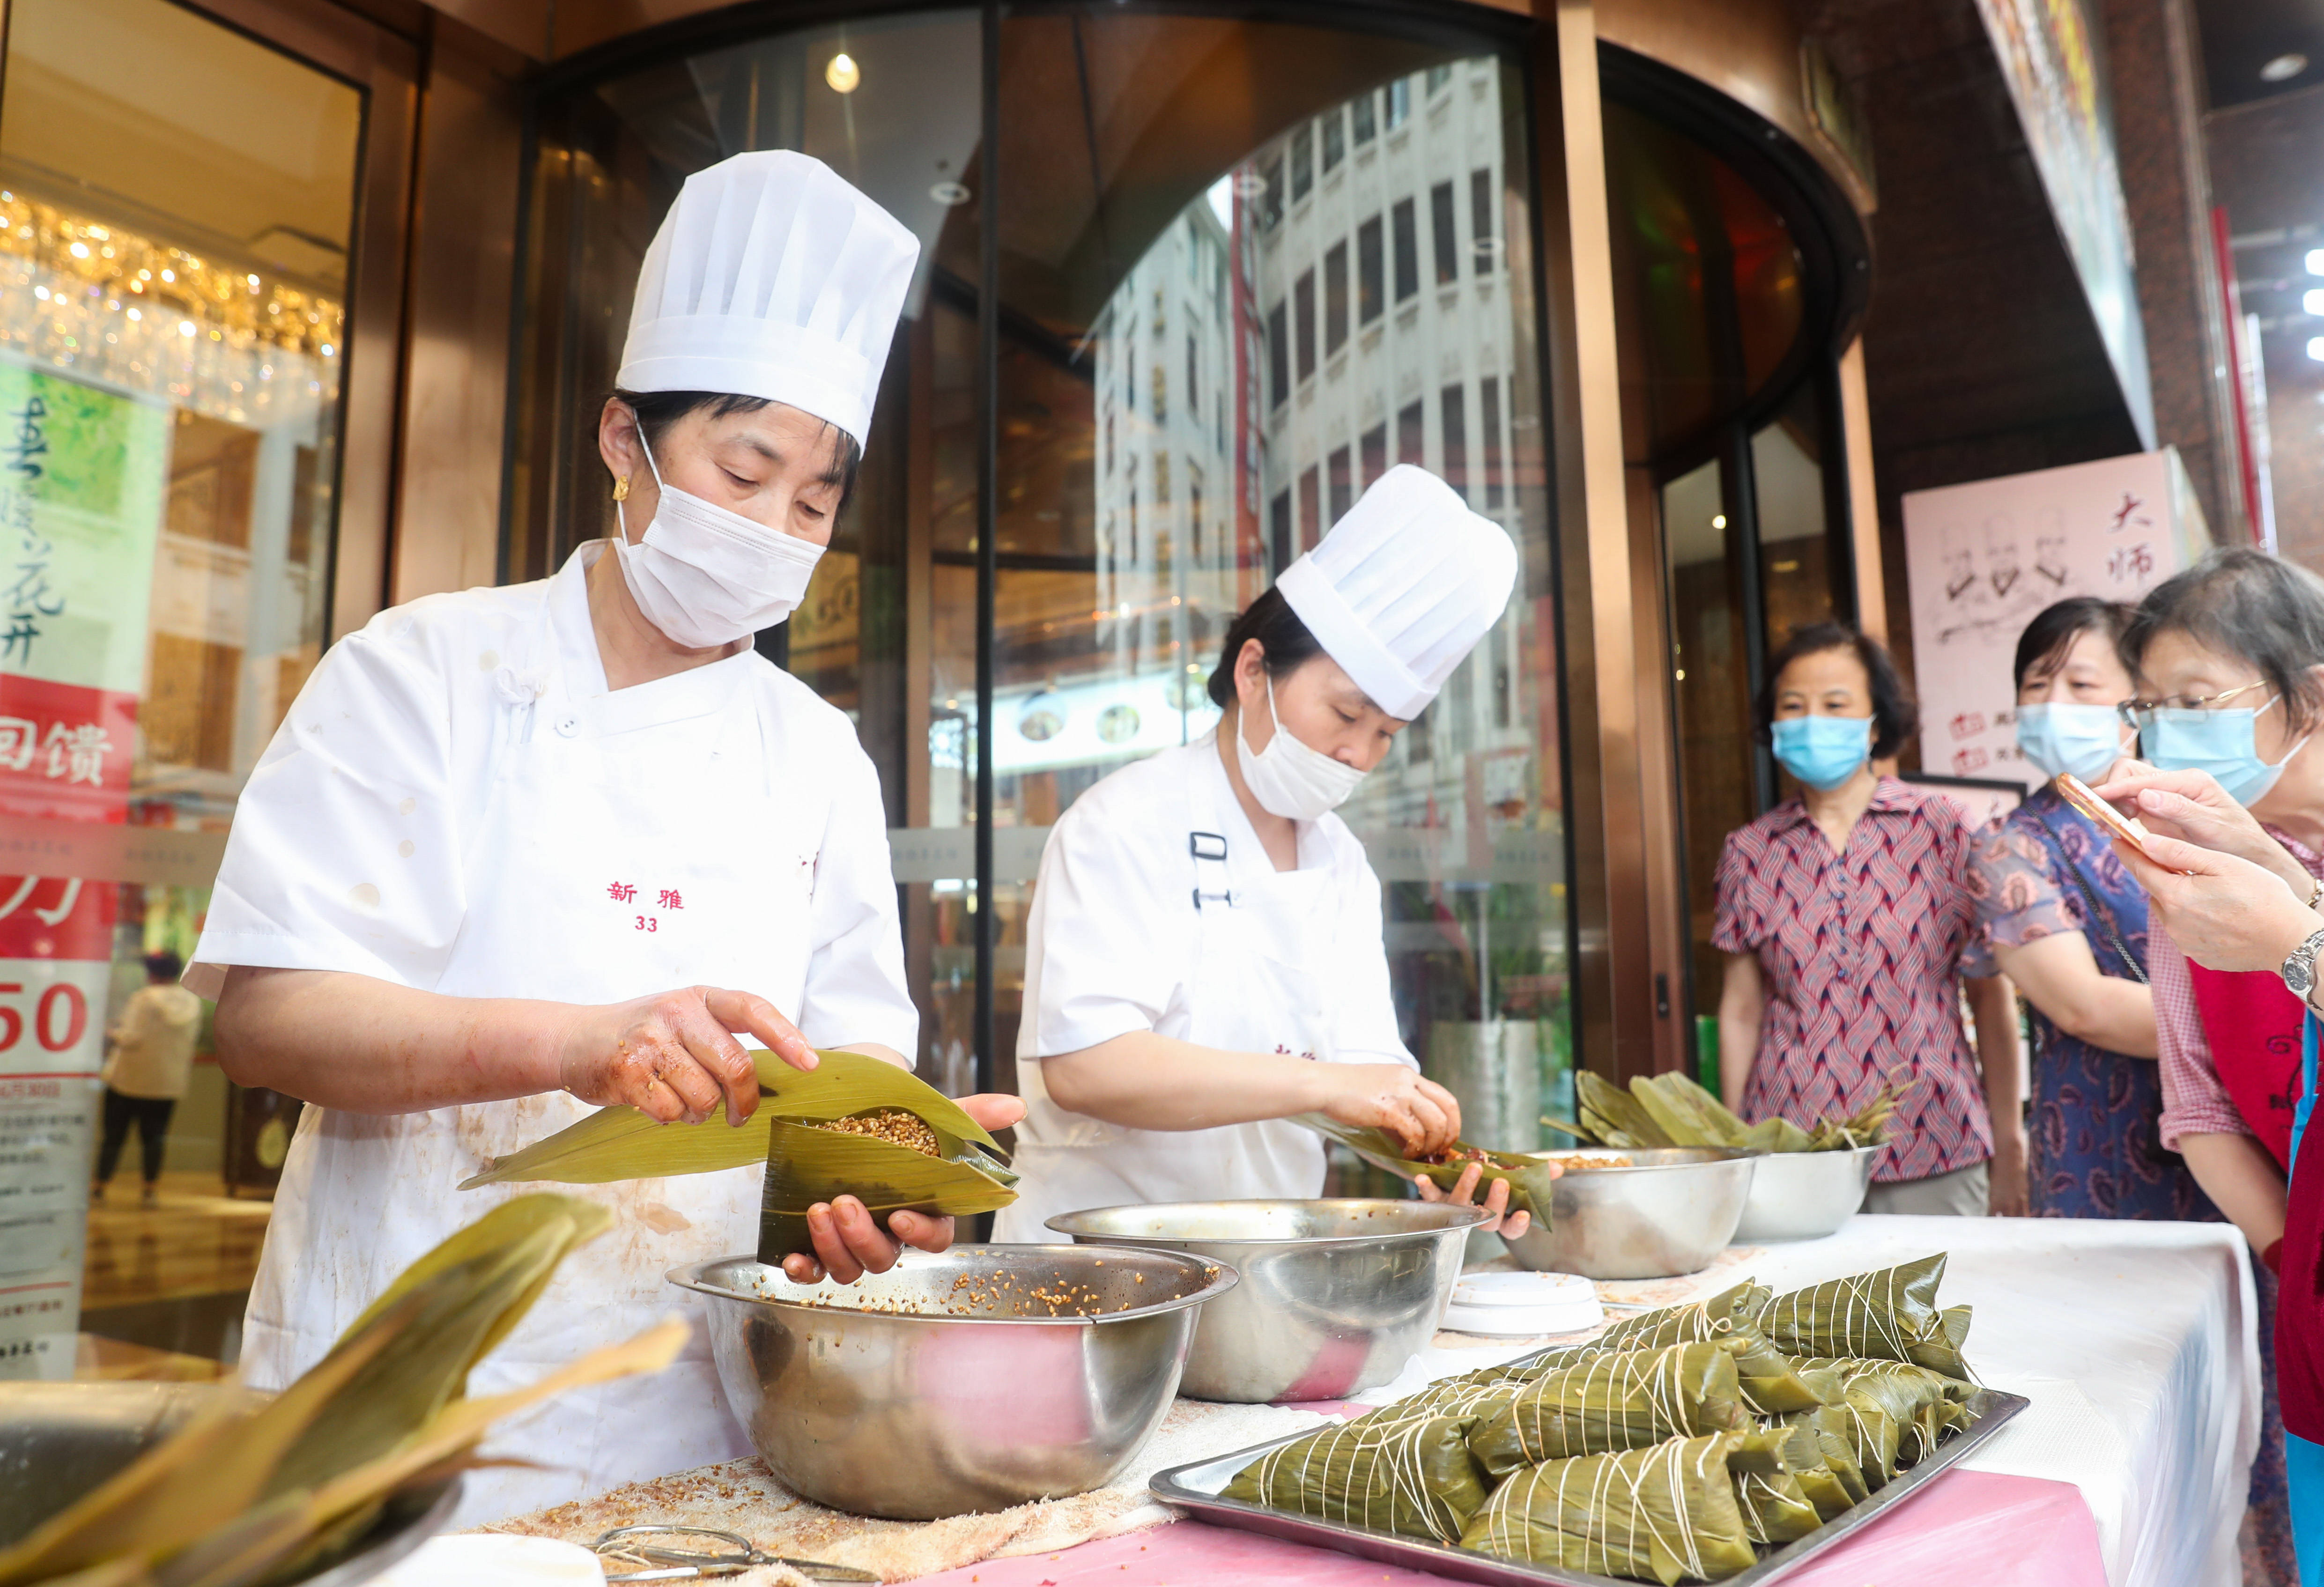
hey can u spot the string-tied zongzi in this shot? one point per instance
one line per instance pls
(1666, 1513)
(1621, 1400)
(1409, 1474)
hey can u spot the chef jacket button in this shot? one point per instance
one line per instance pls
(569, 725)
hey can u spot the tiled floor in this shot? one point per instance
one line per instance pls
(110, 1360)
(163, 1286)
(193, 1240)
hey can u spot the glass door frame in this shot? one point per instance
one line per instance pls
(1519, 40)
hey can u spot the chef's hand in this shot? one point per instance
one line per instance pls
(848, 1240)
(1506, 1223)
(2193, 806)
(672, 1056)
(1420, 1114)
(2225, 913)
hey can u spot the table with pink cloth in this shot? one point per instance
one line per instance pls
(2134, 1342)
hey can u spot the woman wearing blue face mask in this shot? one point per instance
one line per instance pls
(1844, 916)
(2229, 660)
(2068, 925)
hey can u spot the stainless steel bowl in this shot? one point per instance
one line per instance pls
(1336, 1295)
(1806, 1194)
(1668, 1214)
(954, 1383)
(58, 1441)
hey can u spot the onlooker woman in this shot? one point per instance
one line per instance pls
(2226, 656)
(1844, 916)
(2068, 925)
(152, 1056)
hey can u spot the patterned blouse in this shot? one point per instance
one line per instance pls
(1861, 954)
(2096, 1147)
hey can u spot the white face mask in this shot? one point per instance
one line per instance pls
(1289, 779)
(707, 575)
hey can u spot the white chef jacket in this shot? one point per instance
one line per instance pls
(442, 808)
(1115, 943)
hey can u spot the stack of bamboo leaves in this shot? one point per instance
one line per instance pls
(252, 1493)
(1682, 1446)
(1671, 1110)
(806, 1160)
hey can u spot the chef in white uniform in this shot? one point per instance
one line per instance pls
(1204, 954)
(518, 853)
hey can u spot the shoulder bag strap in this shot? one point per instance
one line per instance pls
(2105, 915)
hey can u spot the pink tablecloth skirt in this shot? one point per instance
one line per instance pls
(1966, 1526)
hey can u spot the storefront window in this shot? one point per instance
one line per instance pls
(1136, 210)
(1218, 320)
(176, 206)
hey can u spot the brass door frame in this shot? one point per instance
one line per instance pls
(386, 67)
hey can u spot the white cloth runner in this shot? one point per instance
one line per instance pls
(2136, 1345)
(739, 1497)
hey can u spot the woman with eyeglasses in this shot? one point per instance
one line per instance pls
(2229, 663)
(2068, 926)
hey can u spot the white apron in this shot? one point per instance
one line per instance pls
(1264, 974)
(633, 844)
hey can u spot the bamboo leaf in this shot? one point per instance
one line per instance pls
(806, 1166)
(582, 1220)
(845, 1084)
(176, 1492)
(1619, 1111)
(1686, 1113)
(621, 1143)
(1529, 1178)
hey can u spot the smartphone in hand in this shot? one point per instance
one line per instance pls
(2129, 829)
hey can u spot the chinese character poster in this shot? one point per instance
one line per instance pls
(82, 479)
(1982, 559)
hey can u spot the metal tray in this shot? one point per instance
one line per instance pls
(1196, 1488)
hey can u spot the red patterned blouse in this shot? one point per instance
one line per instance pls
(1861, 956)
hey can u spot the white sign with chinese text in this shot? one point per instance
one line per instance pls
(52, 1047)
(1983, 558)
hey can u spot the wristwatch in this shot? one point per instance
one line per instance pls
(2299, 967)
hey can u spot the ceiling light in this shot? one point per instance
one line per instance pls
(842, 74)
(2316, 349)
(2312, 302)
(1718, 520)
(2284, 69)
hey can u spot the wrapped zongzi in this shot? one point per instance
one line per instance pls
(1891, 1315)
(1769, 1467)
(1925, 1405)
(1666, 1513)
(1770, 1384)
(1626, 1399)
(1409, 1474)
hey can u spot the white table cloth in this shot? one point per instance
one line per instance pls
(2135, 1343)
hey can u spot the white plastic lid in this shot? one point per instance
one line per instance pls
(1522, 1289)
(1523, 1305)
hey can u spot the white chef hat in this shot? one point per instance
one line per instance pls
(772, 277)
(1403, 587)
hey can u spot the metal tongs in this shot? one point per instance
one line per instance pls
(672, 1562)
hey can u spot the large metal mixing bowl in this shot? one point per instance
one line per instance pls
(1336, 1295)
(1806, 1194)
(954, 1382)
(59, 1440)
(1670, 1213)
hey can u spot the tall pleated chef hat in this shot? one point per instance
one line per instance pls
(1403, 587)
(772, 277)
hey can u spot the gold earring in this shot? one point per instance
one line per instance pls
(622, 488)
